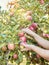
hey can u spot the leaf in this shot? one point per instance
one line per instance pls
(1, 45)
(17, 61)
(28, 63)
(20, 56)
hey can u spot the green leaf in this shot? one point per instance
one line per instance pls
(28, 63)
(20, 55)
(2, 44)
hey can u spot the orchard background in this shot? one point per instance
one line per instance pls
(21, 14)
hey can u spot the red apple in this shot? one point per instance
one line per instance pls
(23, 39)
(34, 25)
(20, 34)
(42, 1)
(31, 28)
(29, 18)
(37, 56)
(11, 46)
(45, 35)
(4, 48)
(29, 13)
(15, 56)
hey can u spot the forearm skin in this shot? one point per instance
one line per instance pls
(43, 53)
(41, 41)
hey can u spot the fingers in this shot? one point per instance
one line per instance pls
(24, 44)
(25, 49)
(25, 30)
(28, 31)
(27, 46)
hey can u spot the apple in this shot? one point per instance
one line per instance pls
(45, 35)
(34, 25)
(31, 28)
(37, 56)
(4, 48)
(11, 13)
(20, 34)
(15, 56)
(23, 39)
(11, 46)
(29, 18)
(29, 13)
(42, 1)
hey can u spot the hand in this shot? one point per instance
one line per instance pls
(25, 30)
(27, 48)
(28, 31)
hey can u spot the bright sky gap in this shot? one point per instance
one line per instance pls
(3, 4)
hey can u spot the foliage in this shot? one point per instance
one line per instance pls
(14, 20)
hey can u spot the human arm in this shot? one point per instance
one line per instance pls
(41, 41)
(42, 52)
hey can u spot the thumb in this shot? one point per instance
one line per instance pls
(26, 49)
(25, 30)
(24, 44)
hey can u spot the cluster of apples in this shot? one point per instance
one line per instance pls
(22, 37)
(33, 26)
(10, 47)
